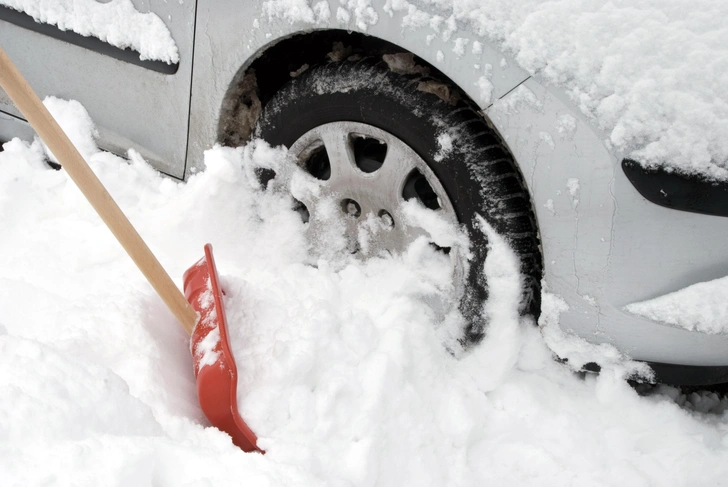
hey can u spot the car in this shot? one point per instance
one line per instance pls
(382, 109)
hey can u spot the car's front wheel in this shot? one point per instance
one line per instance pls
(375, 140)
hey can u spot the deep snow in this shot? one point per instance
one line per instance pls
(345, 370)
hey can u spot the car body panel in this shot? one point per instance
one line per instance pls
(132, 107)
(613, 247)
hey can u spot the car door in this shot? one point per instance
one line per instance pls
(137, 103)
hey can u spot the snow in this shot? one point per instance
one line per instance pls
(444, 146)
(701, 307)
(549, 205)
(117, 22)
(547, 139)
(485, 86)
(204, 350)
(566, 126)
(308, 12)
(348, 373)
(459, 47)
(79, 126)
(650, 73)
(362, 11)
(343, 15)
(572, 184)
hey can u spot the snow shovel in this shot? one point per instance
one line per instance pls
(213, 362)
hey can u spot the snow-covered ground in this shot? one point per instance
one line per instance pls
(348, 373)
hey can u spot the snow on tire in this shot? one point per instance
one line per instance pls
(464, 157)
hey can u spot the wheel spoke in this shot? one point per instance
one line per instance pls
(390, 178)
(341, 156)
(412, 233)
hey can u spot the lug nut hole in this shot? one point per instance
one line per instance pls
(386, 218)
(351, 208)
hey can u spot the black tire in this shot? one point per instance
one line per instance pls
(479, 174)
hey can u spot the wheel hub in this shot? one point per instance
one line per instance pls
(369, 175)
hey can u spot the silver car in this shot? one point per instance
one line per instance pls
(382, 114)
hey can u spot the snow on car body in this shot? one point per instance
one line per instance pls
(604, 245)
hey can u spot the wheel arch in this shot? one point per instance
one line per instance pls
(275, 64)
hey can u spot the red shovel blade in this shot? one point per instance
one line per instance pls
(217, 375)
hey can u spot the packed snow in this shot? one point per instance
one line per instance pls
(348, 373)
(650, 73)
(701, 307)
(117, 22)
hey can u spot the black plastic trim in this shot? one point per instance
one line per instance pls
(678, 191)
(689, 375)
(91, 43)
(679, 375)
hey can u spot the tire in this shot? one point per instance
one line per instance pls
(478, 173)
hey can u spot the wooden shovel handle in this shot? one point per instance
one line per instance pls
(48, 129)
